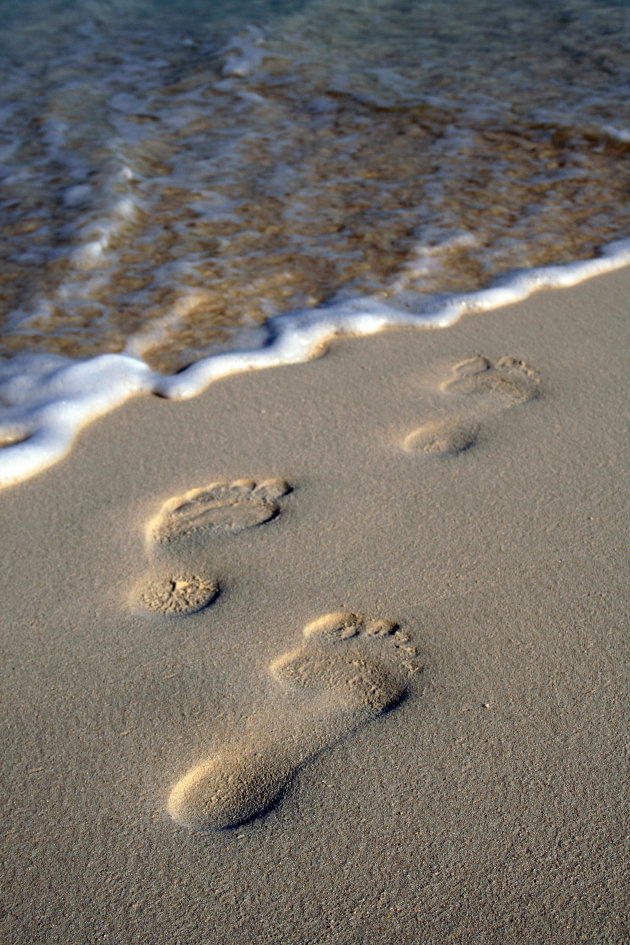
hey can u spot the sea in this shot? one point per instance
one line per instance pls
(194, 188)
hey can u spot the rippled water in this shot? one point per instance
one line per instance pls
(172, 178)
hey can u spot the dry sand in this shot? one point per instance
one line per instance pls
(462, 778)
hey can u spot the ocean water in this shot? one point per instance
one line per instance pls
(190, 189)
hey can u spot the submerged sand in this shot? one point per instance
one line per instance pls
(444, 759)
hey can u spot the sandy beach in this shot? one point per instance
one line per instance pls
(335, 652)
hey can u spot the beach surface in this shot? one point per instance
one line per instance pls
(191, 754)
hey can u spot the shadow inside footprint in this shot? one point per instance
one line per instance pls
(226, 508)
(350, 670)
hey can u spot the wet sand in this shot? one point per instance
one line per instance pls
(334, 652)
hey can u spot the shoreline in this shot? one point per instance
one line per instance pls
(49, 406)
(488, 802)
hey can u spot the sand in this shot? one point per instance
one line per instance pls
(333, 653)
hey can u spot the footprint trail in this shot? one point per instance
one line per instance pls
(348, 671)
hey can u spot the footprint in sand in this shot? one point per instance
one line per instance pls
(348, 671)
(224, 508)
(442, 436)
(182, 594)
(508, 380)
(493, 387)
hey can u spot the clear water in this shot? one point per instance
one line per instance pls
(172, 175)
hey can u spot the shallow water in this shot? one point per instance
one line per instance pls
(177, 177)
(172, 178)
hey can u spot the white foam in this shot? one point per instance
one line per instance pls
(48, 399)
(92, 253)
(619, 134)
(243, 54)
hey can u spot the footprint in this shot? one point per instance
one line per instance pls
(224, 508)
(348, 671)
(442, 436)
(495, 387)
(508, 378)
(182, 594)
